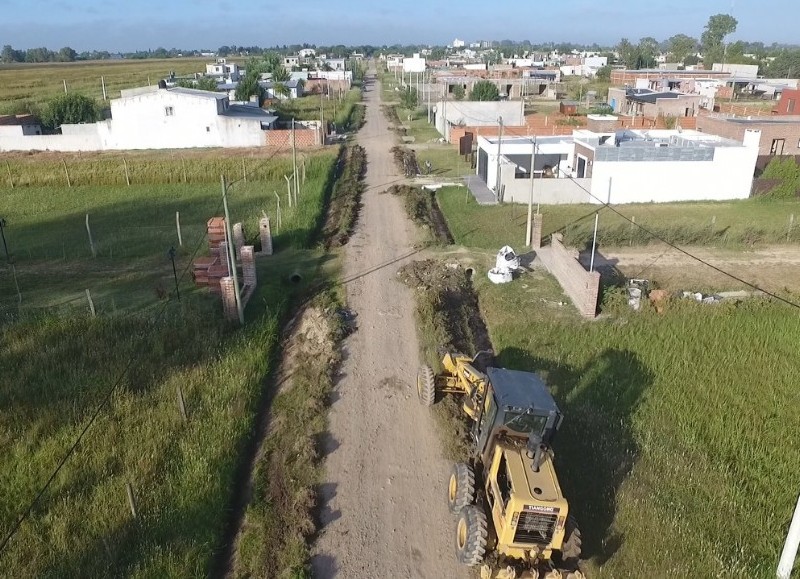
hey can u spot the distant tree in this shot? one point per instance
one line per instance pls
(68, 109)
(785, 65)
(248, 87)
(691, 60)
(484, 90)
(206, 83)
(280, 74)
(160, 52)
(627, 53)
(680, 46)
(458, 92)
(603, 74)
(9, 55)
(66, 54)
(223, 51)
(718, 27)
(38, 55)
(280, 89)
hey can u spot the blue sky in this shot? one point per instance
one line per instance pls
(128, 25)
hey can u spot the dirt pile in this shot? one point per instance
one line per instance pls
(423, 209)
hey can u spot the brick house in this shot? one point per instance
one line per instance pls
(780, 135)
(789, 103)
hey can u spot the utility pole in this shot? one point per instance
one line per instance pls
(497, 176)
(103, 83)
(294, 161)
(65, 86)
(529, 232)
(231, 251)
(429, 98)
(322, 116)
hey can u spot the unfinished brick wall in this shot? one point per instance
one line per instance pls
(306, 138)
(789, 132)
(581, 286)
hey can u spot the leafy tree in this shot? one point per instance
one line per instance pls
(627, 53)
(458, 92)
(280, 89)
(409, 98)
(691, 60)
(785, 65)
(603, 74)
(10, 55)
(67, 54)
(484, 90)
(70, 108)
(248, 87)
(206, 83)
(280, 74)
(718, 27)
(680, 46)
(223, 51)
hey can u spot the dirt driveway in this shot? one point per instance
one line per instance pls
(384, 511)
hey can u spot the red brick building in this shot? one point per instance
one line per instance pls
(780, 135)
(789, 104)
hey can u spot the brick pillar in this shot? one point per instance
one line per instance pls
(238, 239)
(536, 231)
(223, 257)
(248, 266)
(228, 299)
(266, 236)
(591, 293)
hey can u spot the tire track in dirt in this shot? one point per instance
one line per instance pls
(383, 511)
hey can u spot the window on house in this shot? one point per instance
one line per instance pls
(790, 106)
(169, 111)
(777, 147)
(208, 129)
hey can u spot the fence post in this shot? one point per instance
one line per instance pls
(178, 226)
(91, 302)
(10, 178)
(244, 171)
(127, 177)
(789, 552)
(66, 172)
(183, 165)
(91, 241)
(791, 223)
(131, 500)
(181, 403)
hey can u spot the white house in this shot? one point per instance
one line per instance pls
(458, 43)
(306, 53)
(224, 70)
(414, 64)
(19, 125)
(159, 118)
(336, 63)
(628, 166)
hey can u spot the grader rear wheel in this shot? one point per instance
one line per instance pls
(472, 531)
(461, 488)
(426, 386)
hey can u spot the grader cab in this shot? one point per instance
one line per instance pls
(507, 496)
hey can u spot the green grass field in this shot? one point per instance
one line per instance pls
(25, 85)
(673, 451)
(58, 363)
(339, 111)
(734, 224)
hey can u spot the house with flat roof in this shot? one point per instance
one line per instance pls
(159, 118)
(624, 166)
(779, 134)
(650, 103)
(19, 125)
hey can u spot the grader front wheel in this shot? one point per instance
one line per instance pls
(461, 488)
(426, 386)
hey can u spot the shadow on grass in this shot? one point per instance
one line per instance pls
(595, 448)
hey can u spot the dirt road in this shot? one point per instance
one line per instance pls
(384, 511)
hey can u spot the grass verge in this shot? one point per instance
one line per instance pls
(672, 451)
(735, 224)
(279, 518)
(58, 366)
(346, 197)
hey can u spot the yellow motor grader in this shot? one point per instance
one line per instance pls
(507, 498)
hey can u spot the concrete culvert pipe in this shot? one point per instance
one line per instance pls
(469, 272)
(296, 277)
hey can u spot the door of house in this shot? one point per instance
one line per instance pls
(581, 167)
(483, 163)
(777, 147)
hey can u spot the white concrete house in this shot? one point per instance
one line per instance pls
(476, 114)
(629, 166)
(222, 69)
(414, 64)
(159, 118)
